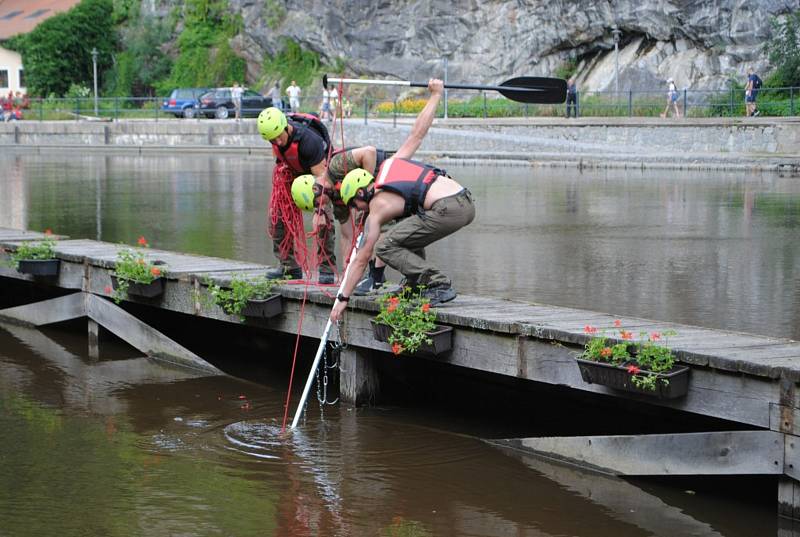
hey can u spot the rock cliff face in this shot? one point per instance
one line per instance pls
(699, 43)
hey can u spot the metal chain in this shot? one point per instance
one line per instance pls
(322, 374)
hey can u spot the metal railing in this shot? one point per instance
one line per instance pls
(461, 104)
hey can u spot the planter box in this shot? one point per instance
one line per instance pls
(264, 308)
(442, 338)
(618, 378)
(145, 290)
(39, 267)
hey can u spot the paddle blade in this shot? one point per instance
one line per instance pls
(533, 89)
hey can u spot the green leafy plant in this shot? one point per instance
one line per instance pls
(44, 249)
(241, 290)
(132, 266)
(410, 318)
(644, 358)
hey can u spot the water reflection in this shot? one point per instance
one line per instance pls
(122, 447)
(720, 250)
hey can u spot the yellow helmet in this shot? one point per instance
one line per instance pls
(355, 179)
(303, 192)
(271, 123)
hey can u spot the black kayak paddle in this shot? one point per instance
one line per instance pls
(523, 89)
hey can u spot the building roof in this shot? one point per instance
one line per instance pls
(21, 16)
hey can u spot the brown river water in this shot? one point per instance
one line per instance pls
(125, 446)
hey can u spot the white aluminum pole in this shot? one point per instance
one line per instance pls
(445, 88)
(369, 82)
(323, 340)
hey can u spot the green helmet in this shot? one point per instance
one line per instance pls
(355, 179)
(271, 123)
(303, 192)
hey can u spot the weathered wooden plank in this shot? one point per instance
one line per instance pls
(50, 311)
(711, 453)
(615, 495)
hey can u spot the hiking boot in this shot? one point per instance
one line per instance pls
(280, 273)
(439, 294)
(326, 278)
(366, 286)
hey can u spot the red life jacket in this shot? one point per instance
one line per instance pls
(408, 178)
(290, 155)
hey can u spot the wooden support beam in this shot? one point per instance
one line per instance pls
(45, 312)
(714, 453)
(358, 377)
(142, 336)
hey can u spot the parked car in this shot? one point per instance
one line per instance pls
(183, 102)
(218, 103)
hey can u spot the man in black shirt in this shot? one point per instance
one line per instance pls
(300, 145)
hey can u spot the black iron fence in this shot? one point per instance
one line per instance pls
(459, 104)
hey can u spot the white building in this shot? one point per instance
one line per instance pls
(18, 17)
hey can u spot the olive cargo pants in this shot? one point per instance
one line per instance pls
(397, 247)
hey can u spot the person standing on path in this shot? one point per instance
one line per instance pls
(293, 91)
(275, 95)
(572, 97)
(432, 206)
(751, 93)
(236, 95)
(672, 99)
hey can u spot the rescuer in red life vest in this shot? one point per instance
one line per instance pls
(308, 195)
(431, 204)
(300, 145)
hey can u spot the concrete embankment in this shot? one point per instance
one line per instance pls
(706, 143)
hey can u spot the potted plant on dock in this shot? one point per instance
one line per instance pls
(135, 275)
(36, 258)
(247, 297)
(646, 366)
(407, 322)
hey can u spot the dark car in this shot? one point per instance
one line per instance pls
(183, 101)
(218, 103)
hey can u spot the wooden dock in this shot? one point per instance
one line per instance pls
(747, 379)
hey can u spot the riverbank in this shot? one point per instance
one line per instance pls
(767, 144)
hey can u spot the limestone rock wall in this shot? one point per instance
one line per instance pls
(699, 43)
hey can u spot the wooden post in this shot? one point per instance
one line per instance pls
(788, 497)
(94, 340)
(358, 377)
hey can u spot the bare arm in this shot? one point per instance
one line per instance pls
(366, 157)
(346, 241)
(423, 122)
(319, 170)
(372, 228)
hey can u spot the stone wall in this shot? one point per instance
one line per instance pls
(589, 140)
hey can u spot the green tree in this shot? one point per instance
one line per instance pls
(783, 50)
(142, 62)
(205, 57)
(57, 53)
